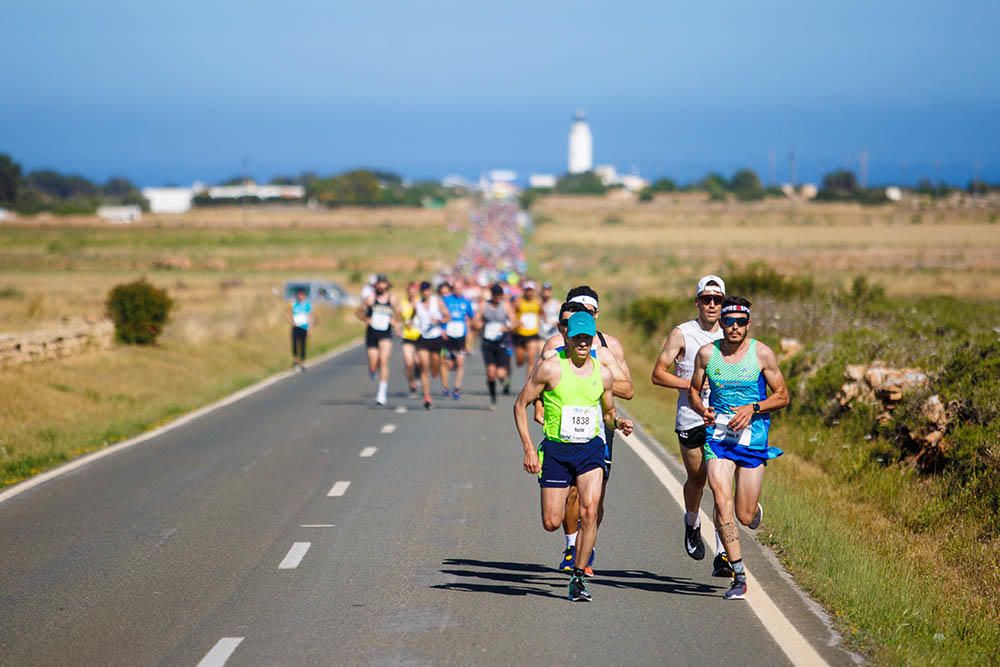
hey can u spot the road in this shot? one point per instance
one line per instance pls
(303, 525)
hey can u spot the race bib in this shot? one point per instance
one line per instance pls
(300, 319)
(529, 321)
(381, 321)
(722, 432)
(579, 424)
(493, 331)
(455, 329)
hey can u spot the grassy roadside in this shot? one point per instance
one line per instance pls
(53, 412)
(893, 593)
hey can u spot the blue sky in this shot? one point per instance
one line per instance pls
(172, 92)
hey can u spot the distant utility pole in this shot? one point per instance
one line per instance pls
(793, 174)
(863, 167)
(772, 168)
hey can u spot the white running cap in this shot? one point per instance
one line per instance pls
(718, 288)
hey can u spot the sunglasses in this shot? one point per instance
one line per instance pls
(738, 321)
(713, 299)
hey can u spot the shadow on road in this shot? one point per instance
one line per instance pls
(532, 579)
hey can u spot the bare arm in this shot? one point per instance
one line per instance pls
(611, 418)
(663, 376)
(622, 381)
(288, 315)
(542, 376)
(697, 380)
(362, 312)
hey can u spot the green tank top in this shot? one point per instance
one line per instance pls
(573, 408)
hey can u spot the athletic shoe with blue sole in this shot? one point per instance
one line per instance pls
(568, 561)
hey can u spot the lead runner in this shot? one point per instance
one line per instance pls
(739, 370)
(576, 391)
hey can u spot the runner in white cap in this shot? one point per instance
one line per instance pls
(673, 370)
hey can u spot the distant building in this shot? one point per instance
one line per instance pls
(251, 190)
(455, 181)
(581, 145)
(542, 181)
(505, 175)
(119, 215)
(611, 178)
(168, 200)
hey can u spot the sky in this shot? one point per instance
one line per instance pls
(205, 90)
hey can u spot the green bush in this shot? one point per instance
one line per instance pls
(139, 311)
(760, 278)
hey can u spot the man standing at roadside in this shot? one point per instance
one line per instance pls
(679, 351)
(576, 391)
(300, 316)
(739, 370)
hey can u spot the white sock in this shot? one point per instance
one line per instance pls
(570, 540)
(719, 547)
(692, 519)
(382, 388)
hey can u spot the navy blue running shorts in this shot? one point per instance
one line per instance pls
(563, 462)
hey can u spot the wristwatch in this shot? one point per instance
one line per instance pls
(756, 408)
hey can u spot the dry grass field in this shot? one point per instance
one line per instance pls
(910, 249)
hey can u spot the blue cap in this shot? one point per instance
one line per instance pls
(581, 323)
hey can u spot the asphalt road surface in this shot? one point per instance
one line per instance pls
(303, 525)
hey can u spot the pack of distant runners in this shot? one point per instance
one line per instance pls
(727, 384)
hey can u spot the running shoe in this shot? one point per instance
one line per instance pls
(372, 375)
(427, 402)
(457, 394)
(693, 544)
(578, 590)
(755, 522)
(568, 561)
(413, 393)
(721, 567)
(445, 393)
(506, 389)
(738, 589)
(588, 571)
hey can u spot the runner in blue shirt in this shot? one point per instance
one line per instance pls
(300, 316)
(455, 331)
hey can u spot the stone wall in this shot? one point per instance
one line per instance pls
(72, 336)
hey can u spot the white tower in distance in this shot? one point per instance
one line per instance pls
(581, 145)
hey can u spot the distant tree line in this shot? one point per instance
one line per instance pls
(745, 185)
(64, 194)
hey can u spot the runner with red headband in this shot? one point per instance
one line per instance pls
(739, 370)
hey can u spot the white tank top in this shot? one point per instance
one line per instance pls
(426, 313)
(694, 338)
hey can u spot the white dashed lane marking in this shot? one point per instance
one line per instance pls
(220, 652)
(388, 428)
(400, 409)
(368, 452)
(295, 556)
(338, 489)
(317, 525)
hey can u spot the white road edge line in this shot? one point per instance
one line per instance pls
(388, 428)
(27, 484)
(368, 452)
(221, 652)
(338, 489)
(791, 641)
(294, 555)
